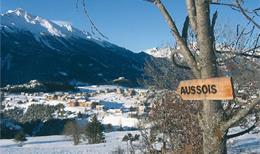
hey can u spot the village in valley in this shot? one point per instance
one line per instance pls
(108, 102)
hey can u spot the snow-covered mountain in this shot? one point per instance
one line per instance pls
(37, 48)
(15, 20)
(19, 20)
(160, 52)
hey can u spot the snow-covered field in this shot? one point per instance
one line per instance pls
(249, 143)
(59, 144)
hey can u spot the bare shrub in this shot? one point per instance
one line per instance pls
(72, 129)
(174, 124)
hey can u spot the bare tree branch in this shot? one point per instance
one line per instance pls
(246, 15)
(225, 4)
(192, 14)
(238, 54)
(248, 129)
(242, 132)
(152, 1)
(214, 19)
(237, 6)
(240, 114)
(185, 29)
(177, 63)
(255, 11)
(188, 56)
(244, 54)
(90, 20)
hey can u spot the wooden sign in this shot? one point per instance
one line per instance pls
(206, 89)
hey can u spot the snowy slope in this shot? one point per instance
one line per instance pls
(61, 144)
(248, 143)
(19, 19)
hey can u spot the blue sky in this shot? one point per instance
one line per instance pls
(133, 24)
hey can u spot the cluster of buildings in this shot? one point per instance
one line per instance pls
(83, 99)
(75, 100)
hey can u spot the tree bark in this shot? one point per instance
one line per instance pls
(214, 140)
(192, 14)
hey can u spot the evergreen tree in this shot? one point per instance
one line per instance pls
(94, 131)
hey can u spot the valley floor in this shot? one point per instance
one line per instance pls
(59, 144)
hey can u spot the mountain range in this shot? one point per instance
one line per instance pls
(37, 48)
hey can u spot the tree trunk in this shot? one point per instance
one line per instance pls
(214, 141)
(213, 145)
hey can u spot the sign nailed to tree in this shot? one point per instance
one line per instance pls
(206, 89)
